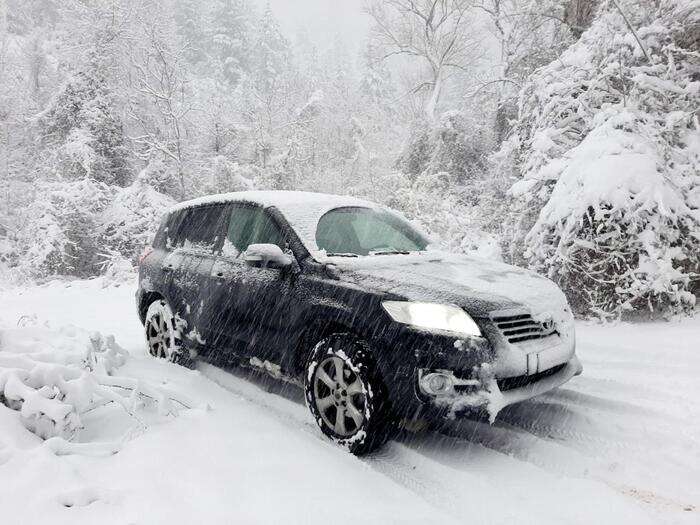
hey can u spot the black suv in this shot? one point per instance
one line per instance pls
(350, 300)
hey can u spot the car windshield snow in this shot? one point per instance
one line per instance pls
(355, 231)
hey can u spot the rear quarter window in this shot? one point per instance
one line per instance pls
(165, 236)
(201, 228)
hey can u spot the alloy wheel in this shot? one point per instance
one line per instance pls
(339, 396)
(159, 334)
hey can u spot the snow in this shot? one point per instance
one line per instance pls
(608, 166)
(434, 275)
(266, 252)
(619, 444)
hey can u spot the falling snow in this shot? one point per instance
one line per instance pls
(624, 435)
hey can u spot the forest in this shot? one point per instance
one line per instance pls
(559, 135)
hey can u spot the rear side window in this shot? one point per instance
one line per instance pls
(167, 234)
(200, 228)
(160, 237)
(250, 225)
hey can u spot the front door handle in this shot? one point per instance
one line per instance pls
(168, 268)
(220, 275)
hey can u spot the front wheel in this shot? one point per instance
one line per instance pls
(345, 394)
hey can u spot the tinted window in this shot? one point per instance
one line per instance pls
(363, 231)
(201, 228)
(170, 229)
(160, 238)
(250, 225)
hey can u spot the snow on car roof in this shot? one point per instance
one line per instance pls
(302, 209)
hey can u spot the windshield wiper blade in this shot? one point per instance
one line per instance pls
(390, 252)
(341, 254)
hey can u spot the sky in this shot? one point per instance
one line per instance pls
(324, 19)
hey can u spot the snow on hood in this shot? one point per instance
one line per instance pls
(479, 285)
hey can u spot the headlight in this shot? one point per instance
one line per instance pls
(432, 316)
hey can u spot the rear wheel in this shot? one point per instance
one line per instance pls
(164, 335)
(345, 394)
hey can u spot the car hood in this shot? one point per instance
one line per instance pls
(479, 286)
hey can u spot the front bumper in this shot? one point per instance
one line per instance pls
(491, 395)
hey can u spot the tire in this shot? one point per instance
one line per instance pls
(164, 334)
(341, 379)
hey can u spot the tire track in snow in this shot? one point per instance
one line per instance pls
(542, 443)
(406, 462)
(240, 386)
(400, 464)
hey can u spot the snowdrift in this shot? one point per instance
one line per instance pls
(53, 377)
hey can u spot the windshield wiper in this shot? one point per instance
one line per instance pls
(390, 252)
(341, 254)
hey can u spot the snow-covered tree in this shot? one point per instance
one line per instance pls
(127, 224)
(528, 34)
(191, 30)
(82, 129)
(438, 36)
(608, 145)
(230, 35)
(267, 90)
(161, 104)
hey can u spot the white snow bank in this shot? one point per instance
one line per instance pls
(55, 376)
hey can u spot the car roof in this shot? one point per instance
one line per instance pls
(302, 209)
(284, 200)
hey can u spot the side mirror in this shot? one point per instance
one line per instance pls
(266, 256)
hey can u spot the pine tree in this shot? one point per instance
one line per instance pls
(229, 38)
(189, 19)
(271, 54)
(82, 130)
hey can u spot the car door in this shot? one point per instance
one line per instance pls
(250, 308)
(199, 238)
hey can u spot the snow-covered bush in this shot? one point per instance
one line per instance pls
(55, 376)
(443, 209)
(161, 175)
(607, 144)
(221, 175)
(457, 143)
(82, 227)
(58, 236)
(129, 222)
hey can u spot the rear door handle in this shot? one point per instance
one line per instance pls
(220, 275)
(168, 268)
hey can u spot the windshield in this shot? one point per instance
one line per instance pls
(366, 231)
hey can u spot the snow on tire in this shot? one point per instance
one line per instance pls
(164, 334)
(345, 394)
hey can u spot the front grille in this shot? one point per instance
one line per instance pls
(522, 327)
(510, 383)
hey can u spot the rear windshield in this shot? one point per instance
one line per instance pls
(366, 231)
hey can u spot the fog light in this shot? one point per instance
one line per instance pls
(436, 383)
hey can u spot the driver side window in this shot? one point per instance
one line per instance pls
(248, 225)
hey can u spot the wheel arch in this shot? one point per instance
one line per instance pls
(146, 300)
(316, 329)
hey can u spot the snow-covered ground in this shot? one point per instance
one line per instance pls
(619, 444)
